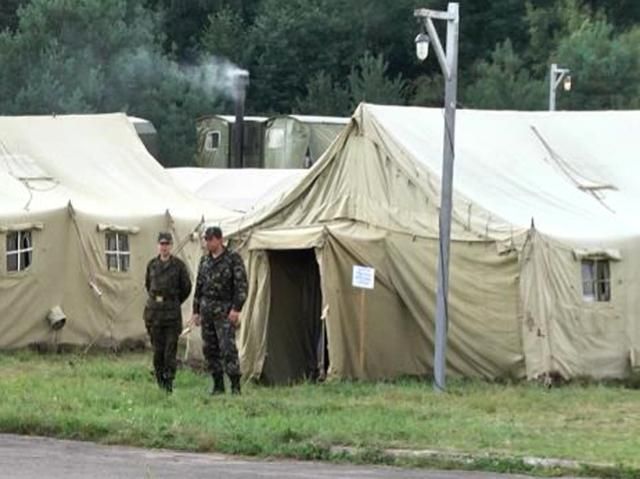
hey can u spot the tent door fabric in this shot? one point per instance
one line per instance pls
(294, 330)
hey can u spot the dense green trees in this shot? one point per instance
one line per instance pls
(70, 56)
(163, 59)
(9, 13)
(503, 82)
(606, 66)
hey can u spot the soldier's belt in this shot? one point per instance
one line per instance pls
(159, 298)
(217, 299)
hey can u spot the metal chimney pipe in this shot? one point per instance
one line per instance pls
(241, 81)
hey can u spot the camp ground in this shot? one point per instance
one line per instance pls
(545, 257)
(215, 142)
(342, 257)
(81, 204)
(237, 189)
(298, 141)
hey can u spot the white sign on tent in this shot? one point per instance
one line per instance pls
(363, 277)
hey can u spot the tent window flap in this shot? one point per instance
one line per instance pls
(597, 253)
(129, 230)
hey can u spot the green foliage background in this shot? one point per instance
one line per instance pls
(150, 58)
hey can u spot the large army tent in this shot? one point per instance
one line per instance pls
(240, 190)
(81, 203)
(298, 141)
(545, 258)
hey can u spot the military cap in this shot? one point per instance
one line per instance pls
(165, 236)
(212, 232)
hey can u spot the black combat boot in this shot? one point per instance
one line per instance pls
(218, 384)
(160, 380)
(168, 384)
(235, 384)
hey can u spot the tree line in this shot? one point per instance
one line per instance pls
(164, 60)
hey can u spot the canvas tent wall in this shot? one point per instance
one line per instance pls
(215, 142)
(81, 205)
(298, 141)
(519, 295)
(575, 175)
(240, 190)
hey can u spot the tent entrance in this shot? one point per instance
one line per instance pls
(295, 338)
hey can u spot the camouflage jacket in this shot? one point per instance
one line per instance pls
(167, 283)
(221, 280)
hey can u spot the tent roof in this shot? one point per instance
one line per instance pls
(574, 173)
(96, 162)
(237, 189)
(329, 120)
(333, 120)
(13, 194)
(142, 126)
(232, 118)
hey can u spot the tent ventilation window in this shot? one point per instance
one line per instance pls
(212, 141)
(118, 253)
(19, 250)
(596, 280)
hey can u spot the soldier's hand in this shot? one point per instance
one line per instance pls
(195, 319)
(234, 318)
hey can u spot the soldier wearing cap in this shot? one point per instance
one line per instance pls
(168, 285)
(221, 290)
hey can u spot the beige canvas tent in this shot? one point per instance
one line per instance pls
(242, 190)
(545, 258)
(298, 141)
(81, 203)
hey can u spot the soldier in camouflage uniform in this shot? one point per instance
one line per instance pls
(168, 285)
(221, 290)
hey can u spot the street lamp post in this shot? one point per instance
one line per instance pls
(557, 75)
(449, 63)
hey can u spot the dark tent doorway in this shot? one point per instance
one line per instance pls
(296, 340)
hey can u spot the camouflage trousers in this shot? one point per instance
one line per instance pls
(219, 340)
(164, 333)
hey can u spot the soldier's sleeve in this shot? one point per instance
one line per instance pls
(185, 283)
(147, 278)
(240, 285)
(198, 292)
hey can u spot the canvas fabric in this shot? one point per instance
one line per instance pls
(70, 181)
(533, 193)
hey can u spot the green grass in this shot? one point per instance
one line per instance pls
(113, 399)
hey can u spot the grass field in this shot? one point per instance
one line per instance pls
(113, 399)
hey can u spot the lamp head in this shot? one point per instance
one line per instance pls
(422, 46)
(567, 82)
